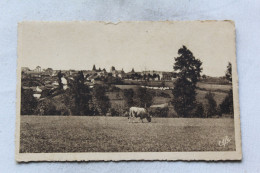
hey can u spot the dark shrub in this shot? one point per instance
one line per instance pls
(226, 106)
(28, 102)
(47, 107)
(165, 95)
(100, 100)
(114, 112)
(159, 112)
(144, 97)
(199, 112)
(113, 88)
(128, 97)
(45, 93)
(211, 108)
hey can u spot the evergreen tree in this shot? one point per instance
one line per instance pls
(188, 73)
(227, 105)
(94, 68)
(229, 72)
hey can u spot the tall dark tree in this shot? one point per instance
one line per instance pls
(28, 102)
(100, 100)
(113, 68)
(226, 106)
(94, 68)
(80, 96)
(59, 80)
(128, 96)
(144, 97)
(229, 72)
(188, 70)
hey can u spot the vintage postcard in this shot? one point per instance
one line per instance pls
(97, 91)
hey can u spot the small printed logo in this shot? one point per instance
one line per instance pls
(224, 141)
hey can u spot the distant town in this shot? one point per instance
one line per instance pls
(47, 78)
(113, 92)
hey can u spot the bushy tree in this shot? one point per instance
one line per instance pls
(188, 70)
(163, 84)
(227, 105)
(144, 97)
(101, 102)
(199, 110)
(79, 96)
(211, 105)
(160, 112)
(128, 97)
(46, 93)
(114, 112)
(47, 107)
(28, 102)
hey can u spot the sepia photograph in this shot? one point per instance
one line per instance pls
(165, 90)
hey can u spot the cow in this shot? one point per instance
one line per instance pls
(135, 112)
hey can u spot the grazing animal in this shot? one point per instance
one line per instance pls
(142, 113)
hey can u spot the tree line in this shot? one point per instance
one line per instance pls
(184, 92)
(79, 99)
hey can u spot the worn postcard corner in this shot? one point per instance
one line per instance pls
(143, 90)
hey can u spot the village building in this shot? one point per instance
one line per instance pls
(25, 69)
(117, 73)
(162, 74)
(47, 72)
(64, 82)
(167, 76)
(33, 73)
(38, 69)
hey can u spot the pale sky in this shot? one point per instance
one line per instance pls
(127, 45)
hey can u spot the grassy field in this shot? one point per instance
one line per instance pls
(115, 134)
(214, 87)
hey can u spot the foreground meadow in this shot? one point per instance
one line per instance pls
(47, 134)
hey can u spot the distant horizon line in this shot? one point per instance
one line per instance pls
(109, 70)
